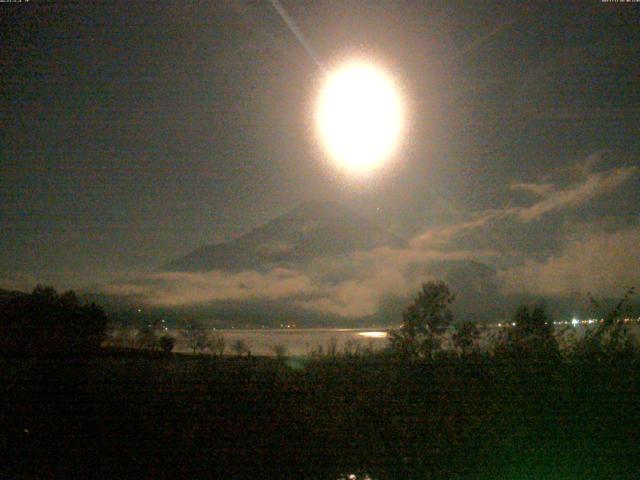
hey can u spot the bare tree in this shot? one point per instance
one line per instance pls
(217, 344)
(195, 335)
(240, 347)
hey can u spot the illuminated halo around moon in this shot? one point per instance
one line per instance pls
(359, 116)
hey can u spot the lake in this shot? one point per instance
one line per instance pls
(305, 341)
(300, 341)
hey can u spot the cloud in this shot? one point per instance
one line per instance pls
(368, 277)
(539, 189)
(594, 185)
(552, 198)
(356, 285)
(186, 288)
(350, 286)
(440, 236)
(607, 263)
(350, 298)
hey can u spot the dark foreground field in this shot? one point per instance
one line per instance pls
(122, 415)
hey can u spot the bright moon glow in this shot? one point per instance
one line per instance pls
(359, 116)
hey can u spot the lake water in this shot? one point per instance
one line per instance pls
(305, 341)
(263, 341)
(301, 341)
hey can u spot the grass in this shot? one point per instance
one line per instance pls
(135, 414)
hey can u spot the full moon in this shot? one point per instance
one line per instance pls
(359, 116)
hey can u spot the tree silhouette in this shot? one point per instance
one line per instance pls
(217, 344)
(240, 347)
(195, 335)
(465, 336)
(147, 336)
(531, 336)
(534, 323)
(47, 322)
(424, 320)
(167, 342)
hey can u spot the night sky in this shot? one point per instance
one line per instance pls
(134, 132)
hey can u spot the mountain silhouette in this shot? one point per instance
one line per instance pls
(309, 231)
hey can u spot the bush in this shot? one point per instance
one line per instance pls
(147, 336)
(279, 350)
(611, 340)
(167, 342)
(531, 338)
(466, 337)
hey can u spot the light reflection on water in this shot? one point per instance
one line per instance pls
(295, 341)
(303, 341)
(373, 334)
(291, 341)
